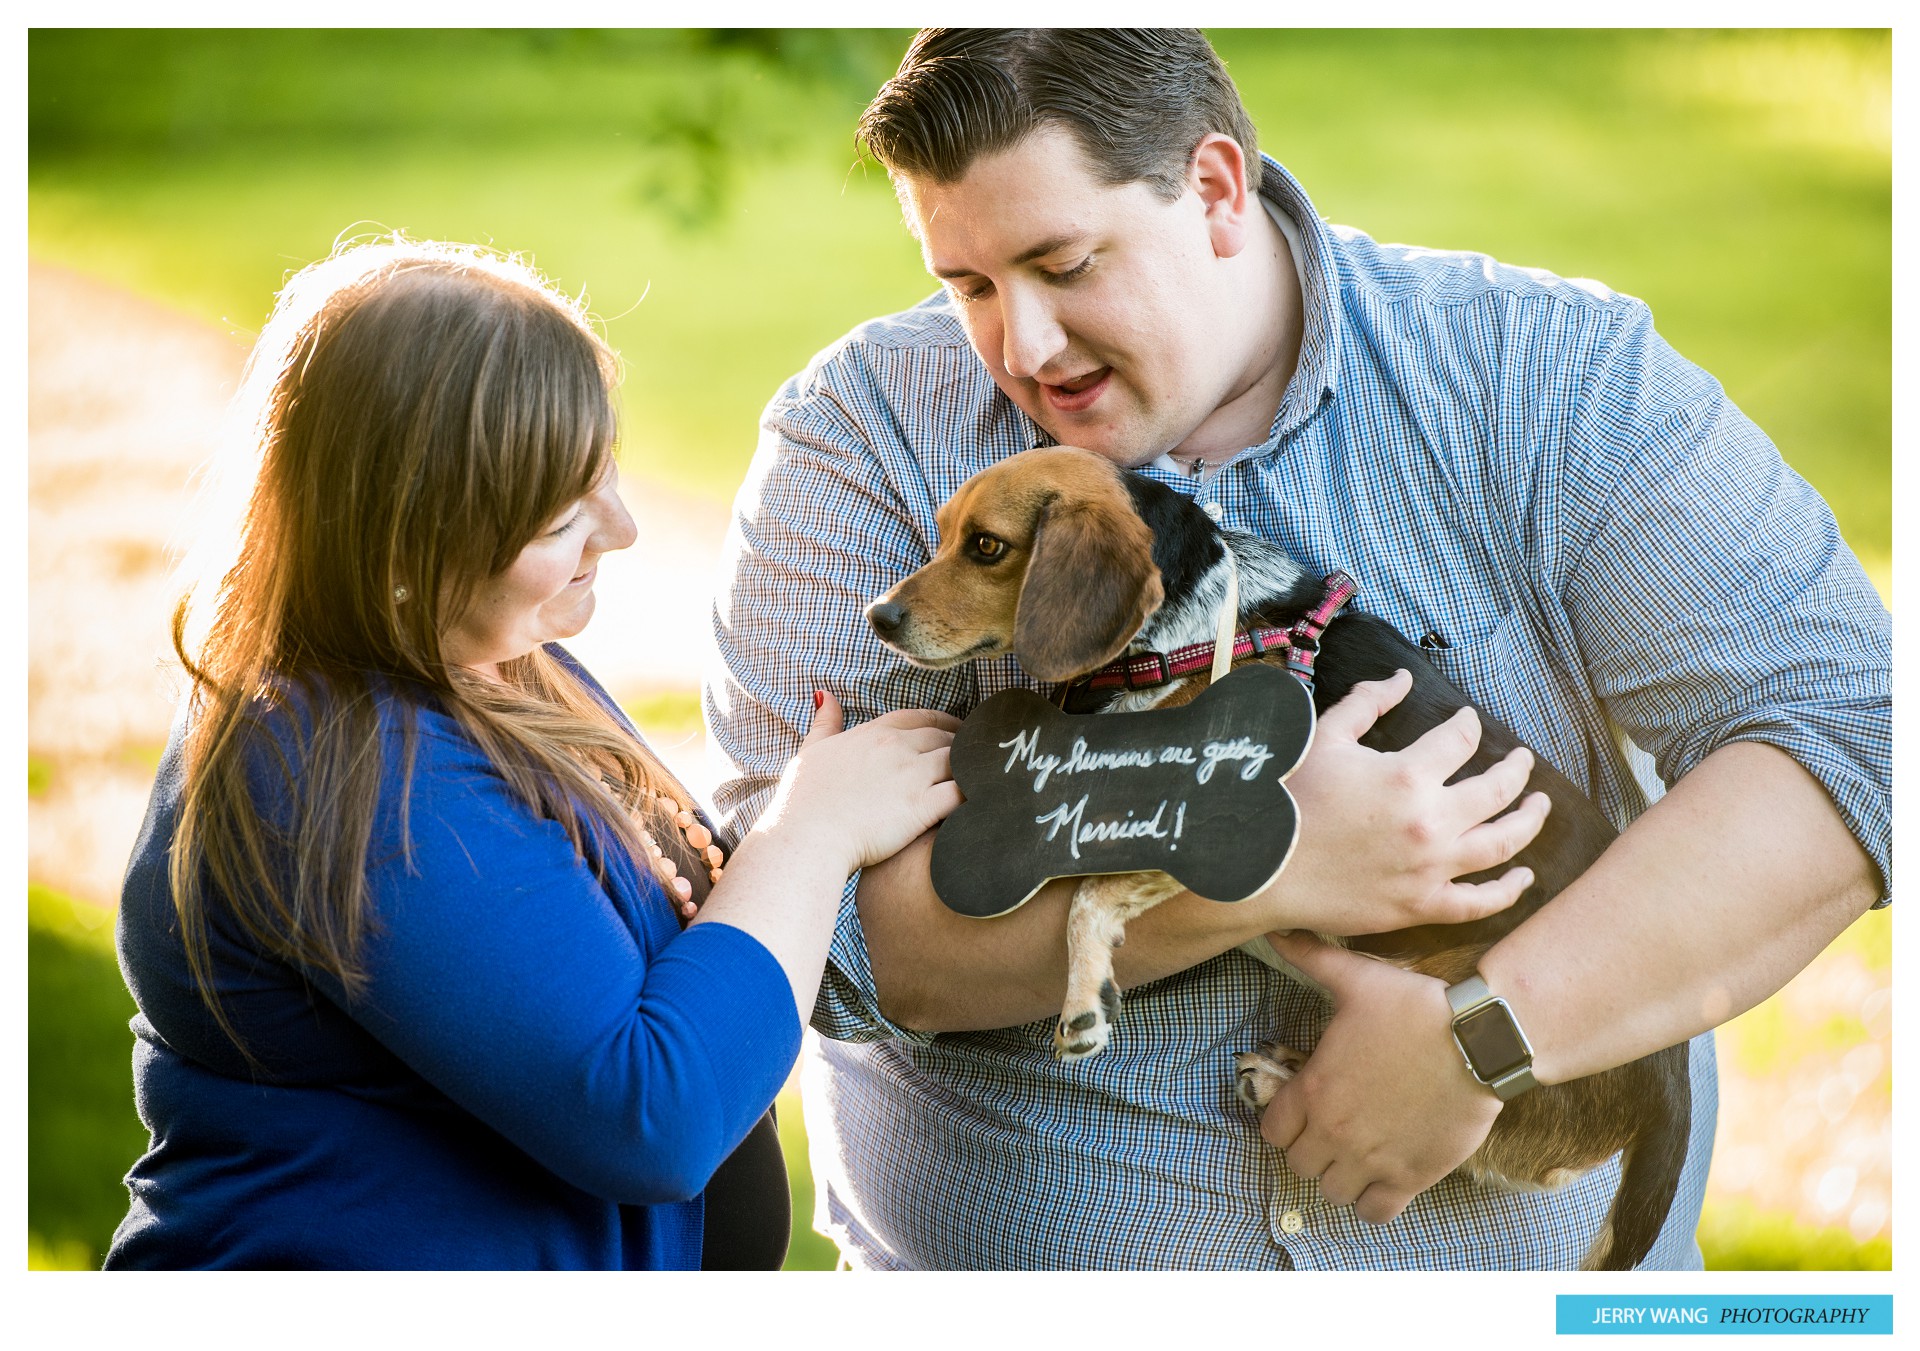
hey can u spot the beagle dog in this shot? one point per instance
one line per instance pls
(1069, 562)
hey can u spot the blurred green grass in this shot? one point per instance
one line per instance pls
(666, 717)
(705, 191)
(1736, 1237)
(82, 1132)
(806, 1251)
(696, 189)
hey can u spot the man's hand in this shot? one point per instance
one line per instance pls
(1384, 1107)
(1384, 835)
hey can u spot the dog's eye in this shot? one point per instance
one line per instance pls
(989, 547)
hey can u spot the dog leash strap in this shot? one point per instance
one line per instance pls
(1303, 643)
(1223, 643)
(1340, 589)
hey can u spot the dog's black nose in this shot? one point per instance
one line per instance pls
(886, 617)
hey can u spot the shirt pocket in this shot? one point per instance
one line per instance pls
(1474, 649)
(1468, 648)
(1497, 662)
(1460, 639)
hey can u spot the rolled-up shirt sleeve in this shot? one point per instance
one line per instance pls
(1714, 598)
(818, 531)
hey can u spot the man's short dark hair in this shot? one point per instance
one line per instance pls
(1138, 100)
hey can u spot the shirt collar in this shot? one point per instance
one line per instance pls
(1313, 375)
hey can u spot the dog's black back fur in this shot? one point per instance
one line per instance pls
(1647, 1103)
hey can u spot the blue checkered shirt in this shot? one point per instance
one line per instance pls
(1616, 562)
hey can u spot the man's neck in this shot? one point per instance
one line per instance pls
(1267, 293)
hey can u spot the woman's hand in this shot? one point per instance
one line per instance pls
(868, 792)
(847, 799)
(1383, 835)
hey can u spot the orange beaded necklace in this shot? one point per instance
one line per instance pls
(705, 851)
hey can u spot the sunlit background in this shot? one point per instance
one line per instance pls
(703, 189)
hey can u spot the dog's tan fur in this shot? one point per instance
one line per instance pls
(1077, 575)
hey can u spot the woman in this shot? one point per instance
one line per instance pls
(405, 921)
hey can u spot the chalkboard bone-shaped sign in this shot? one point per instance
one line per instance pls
(1186, 791)
(1140, 805)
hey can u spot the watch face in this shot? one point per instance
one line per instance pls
(1492, 1041)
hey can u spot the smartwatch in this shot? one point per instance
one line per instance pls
(1497, 1052)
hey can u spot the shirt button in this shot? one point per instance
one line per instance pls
(1293, 1222)
(1213, 510)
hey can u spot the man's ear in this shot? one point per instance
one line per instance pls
(1090, 585)
(1218, 175)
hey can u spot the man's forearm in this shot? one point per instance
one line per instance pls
(1706, 905)
(1712, 901)
(938, 971)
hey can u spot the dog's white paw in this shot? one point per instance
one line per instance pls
(1260, 1073)
(1085, 1033)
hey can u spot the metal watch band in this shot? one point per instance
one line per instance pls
(1471, 996)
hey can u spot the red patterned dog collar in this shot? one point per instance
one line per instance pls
(1301, 643)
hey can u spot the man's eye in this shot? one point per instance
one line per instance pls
(1074, 273)
(977, 291)
(988, 547)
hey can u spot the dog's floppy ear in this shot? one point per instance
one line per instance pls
(1090, 585)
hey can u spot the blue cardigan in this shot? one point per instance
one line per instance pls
(543, 1071)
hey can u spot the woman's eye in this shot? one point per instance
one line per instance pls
(989, 547)
(566, 525)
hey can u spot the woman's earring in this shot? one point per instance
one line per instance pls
(399, 593)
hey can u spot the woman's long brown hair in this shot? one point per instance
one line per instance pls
(420, 412)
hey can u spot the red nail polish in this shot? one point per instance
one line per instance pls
(819, 699)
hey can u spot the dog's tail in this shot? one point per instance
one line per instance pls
(1650, 1166)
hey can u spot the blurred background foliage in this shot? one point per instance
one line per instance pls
(703, 188)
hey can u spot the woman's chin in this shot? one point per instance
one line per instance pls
(575, 618)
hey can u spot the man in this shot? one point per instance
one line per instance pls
(1582, 529)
